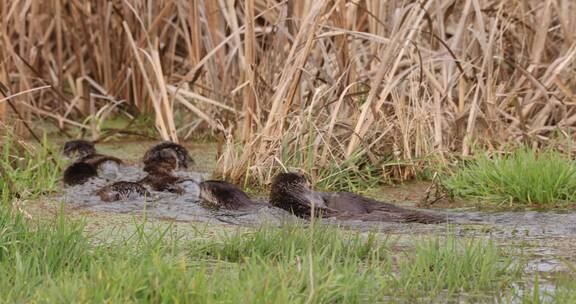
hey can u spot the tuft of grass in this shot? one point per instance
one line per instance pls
(565, 291)
(293, 241)
(27, 171)
(31, 253)
(451, 267)
(523, 178)
(559, 289)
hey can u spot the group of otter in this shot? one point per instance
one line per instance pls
(289, 191)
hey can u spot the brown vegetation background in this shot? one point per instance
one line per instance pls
(323, 85)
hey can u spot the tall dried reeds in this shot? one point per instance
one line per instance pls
(326, 85)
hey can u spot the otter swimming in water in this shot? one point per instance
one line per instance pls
(78, 173)
(221, 194)
(163, 162)
(95, 165)
(159, 166)
(154, 154)
(107, 166)
(165, 183)
(122, 191)
(104, 165)
(292, 192)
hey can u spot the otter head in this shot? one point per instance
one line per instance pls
(78, 148)
(181, 153)
(292, 192)
(163, 162)
(290, 181)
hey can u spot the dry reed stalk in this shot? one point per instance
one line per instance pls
(249, 103)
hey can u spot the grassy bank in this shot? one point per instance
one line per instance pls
(56, 262)
(522, 178)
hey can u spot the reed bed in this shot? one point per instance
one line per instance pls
(324, 85)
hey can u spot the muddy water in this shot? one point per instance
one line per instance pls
(164, 205)
(187, 207)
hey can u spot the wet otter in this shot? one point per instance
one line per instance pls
(162, 162)
(105, 166)
(97, 165)
(165, 182)
(122, 191)
(221, 194)
(78, 148)
(159, 166)
(292, 192)
(78, 173)
(154, 154)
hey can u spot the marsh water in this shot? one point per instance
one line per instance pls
(548, 236)
(187, 207)
(165, 205)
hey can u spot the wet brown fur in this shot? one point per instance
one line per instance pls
(221, 194)
(78, 148)
(288, 191)
(78, 173)
(87, 164)
(291, 191)
(97, 159)
(159, 165)
(153, 154)
(121, 191)
(163, 162)
(163, 182)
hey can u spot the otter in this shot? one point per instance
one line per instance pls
(221, 194)
(91, 166)
(159, 166)
(105, 166)
(122, 191)
(153, 154)
(78, 173)
(164, 182)
(78, 148)
(292, 192)
(163, 162)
